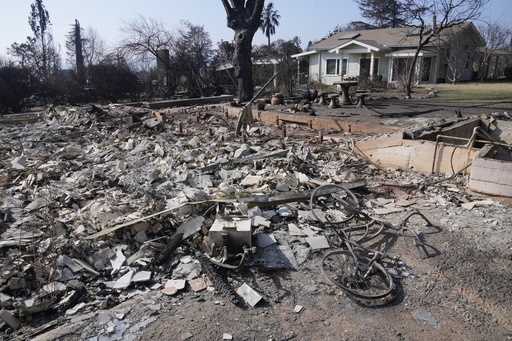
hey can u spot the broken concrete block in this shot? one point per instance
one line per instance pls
(301, 253)
(152, 123)
(250, 296)
(75, 309)
(318, 243)
(142, 276)
(188, 271)
(118, 261)
(244, 150)
(295, 231)
(172, 286)
(169, 291)
(36, 204)
(9, 319)
(197, 284)
(19, 163)
(259, 221)
(66, 261)
(470, 205)
(4, 299)
(54, 287)
(251, 180)
(227, 336)
(301, 177)
(124, 282)
(177, 283)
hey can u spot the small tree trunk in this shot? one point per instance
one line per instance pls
(268, 37)
(242, 63)
(412, 72)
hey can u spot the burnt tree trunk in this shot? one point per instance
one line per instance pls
(244, 17)
(242, 62)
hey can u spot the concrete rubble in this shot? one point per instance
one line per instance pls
(108, 212)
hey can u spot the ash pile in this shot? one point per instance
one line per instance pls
(102, 204)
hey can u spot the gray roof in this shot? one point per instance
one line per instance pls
(383, 38)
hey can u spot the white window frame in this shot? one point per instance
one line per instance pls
(341, 67)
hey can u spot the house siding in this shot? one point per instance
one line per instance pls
(314, 72)
(317, 73)
(466, 39)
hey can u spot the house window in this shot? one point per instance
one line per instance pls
(344, 66)
(332, 66)
(400, 68)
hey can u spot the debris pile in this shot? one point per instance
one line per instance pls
(100, 204)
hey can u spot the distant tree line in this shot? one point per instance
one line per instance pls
(151, 61)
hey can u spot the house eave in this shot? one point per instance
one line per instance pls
(355, 42)
(304, 54)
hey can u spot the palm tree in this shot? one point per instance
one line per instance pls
(270, 21)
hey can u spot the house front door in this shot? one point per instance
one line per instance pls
(364, 71)
(426, 67)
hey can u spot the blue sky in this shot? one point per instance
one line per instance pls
(308, 19)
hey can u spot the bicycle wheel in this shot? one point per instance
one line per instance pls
(341, 269)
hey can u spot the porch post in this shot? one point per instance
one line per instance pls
(372, 59)
(298, 72)
(320, 68)
(275, 79)
(390, 73)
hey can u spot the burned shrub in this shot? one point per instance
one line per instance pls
(112, 82)
(14, 88)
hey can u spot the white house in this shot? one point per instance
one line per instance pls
(384, 54)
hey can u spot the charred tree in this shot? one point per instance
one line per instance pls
(79, 55)
(244, 17)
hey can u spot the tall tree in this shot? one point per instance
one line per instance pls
(193, 53)
(39, 21)
(38, 53)
(270, 21)
(421, 12)
(145, 37)
(383, 13)
(74, 45)
(496, 36)
(93, 47)
(244, 17)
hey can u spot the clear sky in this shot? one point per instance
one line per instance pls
(308, 19)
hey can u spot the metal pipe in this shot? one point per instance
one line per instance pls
(468, 144)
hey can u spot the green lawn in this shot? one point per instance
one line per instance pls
(474, 92)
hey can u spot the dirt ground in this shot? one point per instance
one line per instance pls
(462, 294)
